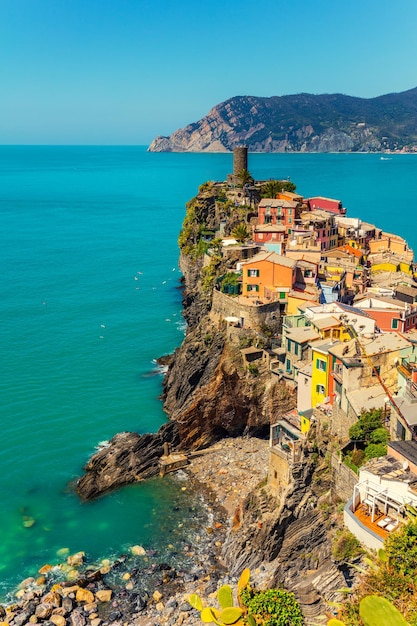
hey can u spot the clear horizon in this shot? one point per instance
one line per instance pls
(107, 72)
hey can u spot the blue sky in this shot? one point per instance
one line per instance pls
(124, 71)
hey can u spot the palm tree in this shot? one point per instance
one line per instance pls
(244, 177)
(241, 233)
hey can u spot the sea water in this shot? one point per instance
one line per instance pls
(89, 298)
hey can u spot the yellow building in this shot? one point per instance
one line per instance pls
(320, 372)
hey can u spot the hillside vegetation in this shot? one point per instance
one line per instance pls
(302, 123)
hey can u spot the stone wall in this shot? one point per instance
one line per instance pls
(344, 479)
(340, 422)
(253, 316)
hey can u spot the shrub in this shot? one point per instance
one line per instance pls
(346, 547)
(401, 550)
(379, 435)
(253, 369)
(273, 607)
(358, 457)
(375, 450)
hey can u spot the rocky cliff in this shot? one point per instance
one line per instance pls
(288, 539)
(208, 392)
(301, 123)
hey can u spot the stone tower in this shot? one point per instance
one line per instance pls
(240, 159)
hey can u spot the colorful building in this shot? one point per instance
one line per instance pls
(326, 204)
(320, 390)
(268, 276)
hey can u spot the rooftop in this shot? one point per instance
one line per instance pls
(388, 467)
(270, 228)
(302, 334)
(274, 203)
(407, 449)
(367, 398)
(271, 257)
(326, 322)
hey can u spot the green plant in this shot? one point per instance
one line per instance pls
(346, 547)
(273, 187)
(244, 177)
(375, 450)
(230, 281)
(241, 232)
(253, 369)
(273, 607)
(228, 614)
(401, 550)
(358, 457)
(378, 611)
(366, 424)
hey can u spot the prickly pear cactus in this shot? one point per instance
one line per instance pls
(378, 611)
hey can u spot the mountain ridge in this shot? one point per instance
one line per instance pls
(302, 123)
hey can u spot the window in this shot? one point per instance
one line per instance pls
(253, 273)
(376, 371)
(320, 389)
(282, 295)
(321, 365)
(394, 323)
(400, 431)
(288, 365)
(290, 220)
(253, 287)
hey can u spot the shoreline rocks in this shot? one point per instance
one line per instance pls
(112, 592)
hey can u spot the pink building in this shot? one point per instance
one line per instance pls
(326, 204)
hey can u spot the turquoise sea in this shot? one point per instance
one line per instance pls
(89, 298)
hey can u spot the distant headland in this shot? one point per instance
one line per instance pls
(302, 123)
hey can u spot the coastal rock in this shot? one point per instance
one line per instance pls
(104, 595)
(44, 610)
(128, 458)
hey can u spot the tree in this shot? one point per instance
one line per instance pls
(244, 177)
(241, 233)
(273, 187)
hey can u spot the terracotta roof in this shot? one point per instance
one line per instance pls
(272, 257)
(266, 228)
(350, 250)
(273, 203)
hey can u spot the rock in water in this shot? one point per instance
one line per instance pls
(128, 458)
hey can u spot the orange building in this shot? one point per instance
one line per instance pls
(268, 276)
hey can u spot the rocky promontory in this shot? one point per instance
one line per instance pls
(220, 412)
(301, 123)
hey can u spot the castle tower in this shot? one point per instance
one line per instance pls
(240, 159)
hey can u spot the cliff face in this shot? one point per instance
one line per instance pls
(301, 123)
(288, 539)
(210, 395)
(208, 392)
